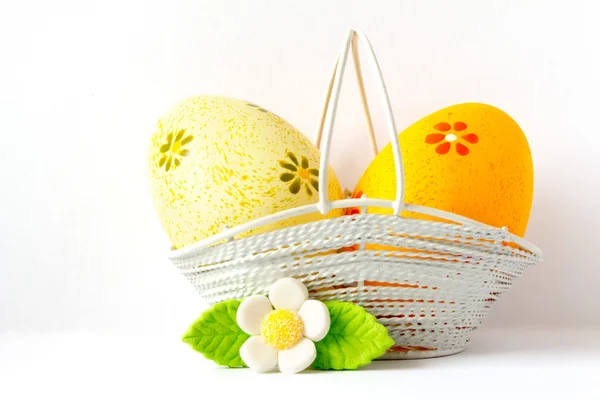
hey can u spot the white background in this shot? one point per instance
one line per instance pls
(82, 84)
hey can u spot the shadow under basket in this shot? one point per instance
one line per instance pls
(430, 283)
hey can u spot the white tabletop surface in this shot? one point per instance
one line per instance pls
(498, 364)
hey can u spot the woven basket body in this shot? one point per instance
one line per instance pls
(430, 283)
(430, 289)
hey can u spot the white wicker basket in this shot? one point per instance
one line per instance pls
(431, 289)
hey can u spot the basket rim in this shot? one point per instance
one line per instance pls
(228, 234)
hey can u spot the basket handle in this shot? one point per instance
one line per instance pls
(363, 97)
(329, 113)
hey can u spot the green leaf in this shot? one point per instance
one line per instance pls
(355, 338)
(217, 335)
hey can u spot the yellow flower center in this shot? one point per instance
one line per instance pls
(303, 173)
(282, 329)
(176, 146)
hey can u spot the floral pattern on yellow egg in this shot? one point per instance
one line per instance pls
(469, 159)
(217, 161)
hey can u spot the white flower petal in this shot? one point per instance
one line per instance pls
(316, 320)
(297, 358)
(258, 355)
(251, 313)
(288, 293)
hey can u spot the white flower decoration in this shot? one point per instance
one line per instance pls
(283, 337)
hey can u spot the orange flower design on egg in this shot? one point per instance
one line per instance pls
(450, 136)
(354, 210)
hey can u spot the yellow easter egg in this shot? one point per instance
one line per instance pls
(217, 161)
(469, 159)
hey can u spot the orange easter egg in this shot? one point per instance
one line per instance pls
(469, 159)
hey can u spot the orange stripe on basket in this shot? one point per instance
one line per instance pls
(406, 349)
(390, 284)
(403, 301)
(406, 301)
(335, 287)
(392, 316)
